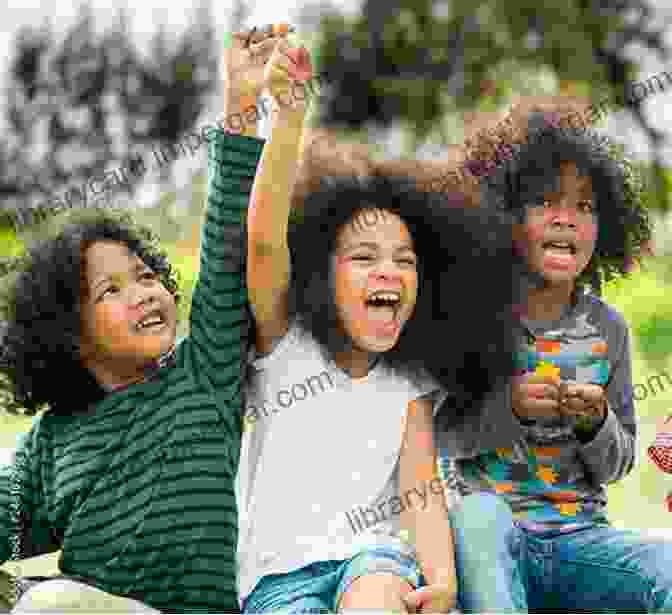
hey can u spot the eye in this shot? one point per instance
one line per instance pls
(586, 206)
(362, 257)
(408, 260)
(112, 289)
(547, 204)
(148, 275)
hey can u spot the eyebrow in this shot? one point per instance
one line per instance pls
(374, 246)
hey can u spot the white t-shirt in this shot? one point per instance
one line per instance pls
(319, 448)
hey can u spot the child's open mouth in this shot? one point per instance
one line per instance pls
(382, 307)
(151, 323)
(560, 253)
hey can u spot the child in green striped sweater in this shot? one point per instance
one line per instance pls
(131, 470)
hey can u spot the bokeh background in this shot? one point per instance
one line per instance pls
(86, 89)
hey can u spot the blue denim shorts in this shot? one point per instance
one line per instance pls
(319, 587)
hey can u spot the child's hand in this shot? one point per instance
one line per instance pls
(536, 396)
(584, 400)
(664, 424)
(245, 62)
(432, 599)
(286, 73)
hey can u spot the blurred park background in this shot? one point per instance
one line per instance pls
(86, 90)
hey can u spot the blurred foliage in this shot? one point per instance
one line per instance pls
(81, 106)
(418, 61)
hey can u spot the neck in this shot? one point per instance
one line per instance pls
(112, 377)
(549, 302)
(357, 363)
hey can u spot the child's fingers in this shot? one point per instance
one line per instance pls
(538, 408)
(430, 599)
(262, 51)
(269, 31)
(541, 391)
(663, 423)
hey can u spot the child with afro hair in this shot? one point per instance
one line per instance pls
(130, 471)
(368, 308)
(531, 528)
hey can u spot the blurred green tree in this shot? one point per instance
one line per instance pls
(417, 61)
(81, 107)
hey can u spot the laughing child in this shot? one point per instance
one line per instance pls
(532, 530)
(131, 470)
(369, 289)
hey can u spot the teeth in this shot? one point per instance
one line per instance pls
(385, 296)
(559, 245)
(149, 321)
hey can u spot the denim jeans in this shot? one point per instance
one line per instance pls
(504, 568)
(319, 587)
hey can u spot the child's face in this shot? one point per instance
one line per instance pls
(559, 234)
(129, 318)
(375, 277)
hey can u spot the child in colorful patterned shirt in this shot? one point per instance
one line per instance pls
(532, 530)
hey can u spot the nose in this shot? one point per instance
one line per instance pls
(386, 270)
(139, 295)
(565, 216)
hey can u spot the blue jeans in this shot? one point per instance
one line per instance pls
(319, 587)
(504, 568)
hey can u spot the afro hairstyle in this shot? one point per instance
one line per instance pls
(467, 272)
(517, 172)
(39, 347)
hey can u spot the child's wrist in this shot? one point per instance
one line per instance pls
(289, 115)
(235, 100)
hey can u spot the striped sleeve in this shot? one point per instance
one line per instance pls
(219, 324)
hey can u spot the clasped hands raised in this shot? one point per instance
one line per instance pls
(263, 59)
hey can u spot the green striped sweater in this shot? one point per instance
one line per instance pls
(139, 493)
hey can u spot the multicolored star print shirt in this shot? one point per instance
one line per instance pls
(551, 472)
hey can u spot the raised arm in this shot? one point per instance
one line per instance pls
(428, 527)
(268, 262)
(218, 315)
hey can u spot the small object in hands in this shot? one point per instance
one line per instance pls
(278, 29)
(282, 28)
(544, 371)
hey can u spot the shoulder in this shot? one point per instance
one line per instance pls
(604, 314)
(608, 321)
(297, 345)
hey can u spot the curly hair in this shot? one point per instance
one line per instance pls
(522, 170)
(39, 348)
(460, 250)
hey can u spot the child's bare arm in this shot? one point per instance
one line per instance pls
(268, 264)
(428, 525)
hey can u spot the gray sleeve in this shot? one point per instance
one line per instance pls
(610, 455)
